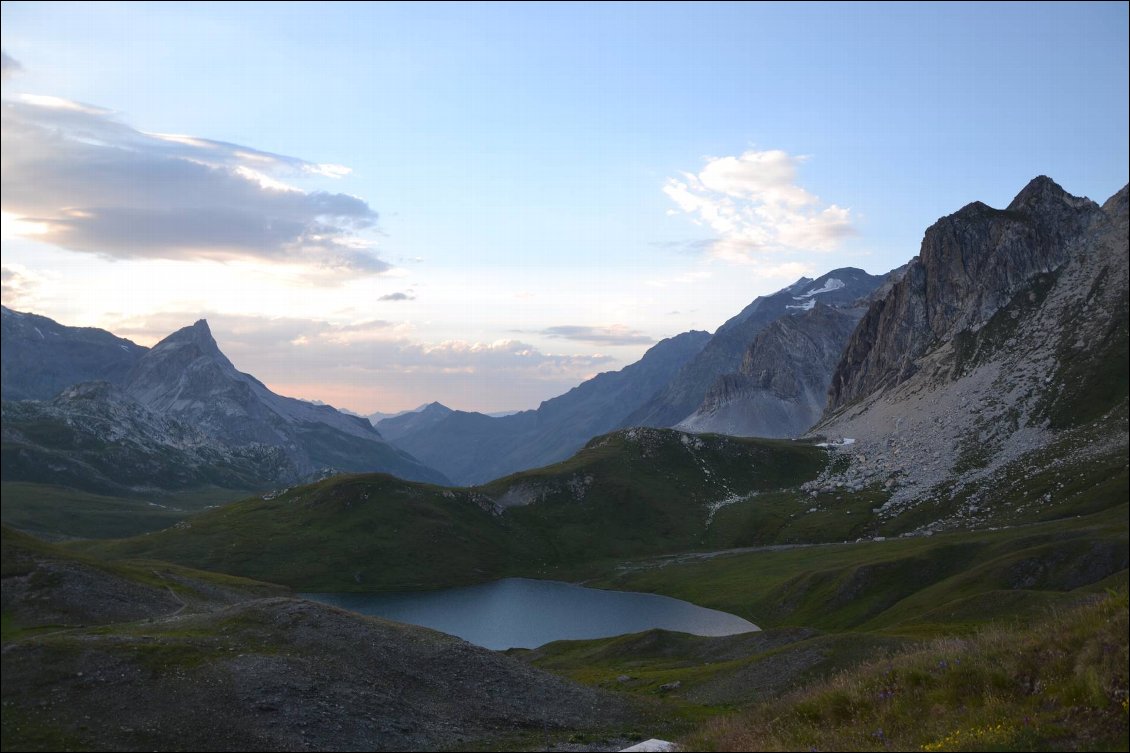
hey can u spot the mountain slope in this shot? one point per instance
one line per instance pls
(1003, 350)
(394, 427)
(782, 386)
(724, 353)
(39, 357)
(472, 448)
(94, 437)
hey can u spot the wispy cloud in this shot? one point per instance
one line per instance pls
(397, 296)
(756, 208)
(616, 334)
(81, 179)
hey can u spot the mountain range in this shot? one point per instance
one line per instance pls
(827, 352)
(1003, 401)
(181, 414)
(666, 386)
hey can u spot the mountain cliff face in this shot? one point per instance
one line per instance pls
(782, 386)
(971, 265)
(1003, 349)
(39, 357)
(472, 448)
(723, 355)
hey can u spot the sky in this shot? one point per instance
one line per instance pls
(381, 205)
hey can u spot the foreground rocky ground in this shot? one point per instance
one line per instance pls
(193, 671)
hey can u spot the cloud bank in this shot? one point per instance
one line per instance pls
(376, 365)
(76, 177)
(756, 208)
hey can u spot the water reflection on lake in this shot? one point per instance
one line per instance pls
(523, 613)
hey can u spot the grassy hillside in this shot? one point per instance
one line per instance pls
(904, 585)
(647, 490)
(873, 635)
(1060, 684)
(630, 493)
(52, 511)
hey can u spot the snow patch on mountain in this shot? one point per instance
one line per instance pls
(832, 283)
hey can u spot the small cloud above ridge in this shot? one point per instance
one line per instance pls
(616, 334)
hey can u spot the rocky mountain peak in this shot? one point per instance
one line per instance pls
(198, 334)
(1040, 193)
(1116, 206)
(970, 266)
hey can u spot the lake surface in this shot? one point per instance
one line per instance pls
(524, 613)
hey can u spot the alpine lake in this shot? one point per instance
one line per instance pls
(525, 613)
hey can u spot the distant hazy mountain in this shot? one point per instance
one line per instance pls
(782, 386)
(39, 357)
(422, 418)
(726, 350)
(781, 389)
(667, 385)
(181, 396)
(473, 448)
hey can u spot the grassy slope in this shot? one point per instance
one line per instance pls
(1060, 684)
(871, 601)
(50, 587)
(896, 583)
(345, 533)
(650, 491)
(59, 511)
(624, 495)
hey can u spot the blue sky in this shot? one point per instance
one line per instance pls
(486, 203)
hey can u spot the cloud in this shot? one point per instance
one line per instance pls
(8, 66)
(398, 296)
(616, 334)
(374, 364)
(17, 286)
(90, 183)
(755, 207)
